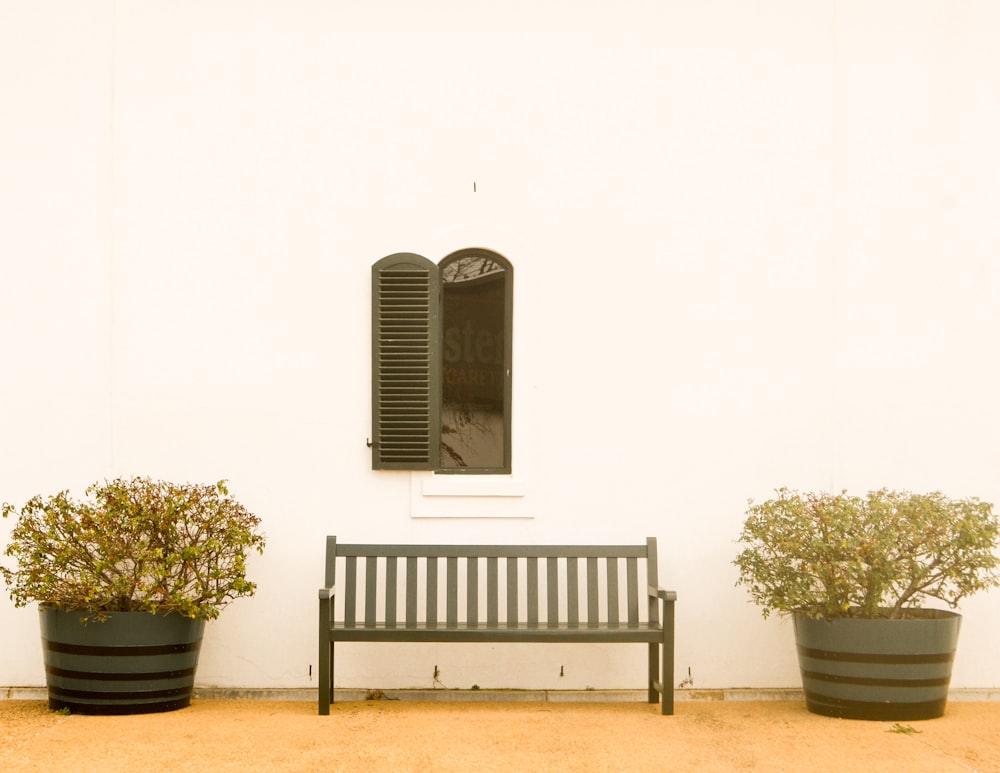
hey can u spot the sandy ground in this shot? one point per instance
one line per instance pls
(223, 735)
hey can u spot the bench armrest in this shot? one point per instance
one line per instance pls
(325, 594)
(660, 593)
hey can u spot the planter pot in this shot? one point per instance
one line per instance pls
(878, 669)
(133, 663)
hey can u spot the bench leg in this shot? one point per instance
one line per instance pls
(668, 658)
(654, 673)
(325, 677)
(667, 699)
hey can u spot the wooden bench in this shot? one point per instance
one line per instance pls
(574, 593)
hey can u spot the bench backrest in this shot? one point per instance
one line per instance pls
(536, 585)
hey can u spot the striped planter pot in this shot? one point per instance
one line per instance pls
(878, 669)
(133, 663)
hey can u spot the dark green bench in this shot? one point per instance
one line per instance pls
(391, 594)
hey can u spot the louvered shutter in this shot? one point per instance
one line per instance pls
(406, 364)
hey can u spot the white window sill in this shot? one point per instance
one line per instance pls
(465, 496)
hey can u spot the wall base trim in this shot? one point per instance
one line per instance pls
(762, 694)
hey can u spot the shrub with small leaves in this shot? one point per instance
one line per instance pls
(833, 555)
(133, 545)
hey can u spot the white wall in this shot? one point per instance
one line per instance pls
(755, 245)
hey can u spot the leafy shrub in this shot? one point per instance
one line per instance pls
(133, 545)
(834, 555)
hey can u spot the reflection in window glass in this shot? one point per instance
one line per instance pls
(475, 329)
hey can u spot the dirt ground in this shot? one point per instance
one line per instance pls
(224, 735)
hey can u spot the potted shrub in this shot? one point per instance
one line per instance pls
(854, 573)
(125, 580)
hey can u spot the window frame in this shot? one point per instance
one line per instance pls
(407, 345)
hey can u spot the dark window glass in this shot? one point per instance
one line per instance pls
(475, 362)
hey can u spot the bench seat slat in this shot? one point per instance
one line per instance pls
(552, 585)
(511, 592)
(432, 592)
(371, 588)
(613, 591)
(523, 632)
(533, 592)
(632, 579)
(492, 592)
(452, 590)
(573, 592)
(472, 591)
(390, 591)
(411, 591)
(593, 605)
(350, 591)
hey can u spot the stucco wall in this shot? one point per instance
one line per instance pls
(755, 245)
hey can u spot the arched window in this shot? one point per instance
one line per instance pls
(441, 362)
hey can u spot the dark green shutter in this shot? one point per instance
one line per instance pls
(406, 364)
